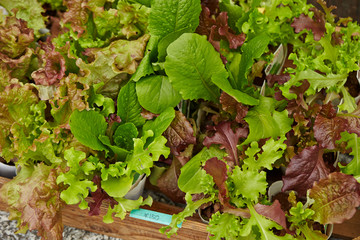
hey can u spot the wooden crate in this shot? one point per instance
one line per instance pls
(192, 228)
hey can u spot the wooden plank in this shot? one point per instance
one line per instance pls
(129, 228)
(192, 228)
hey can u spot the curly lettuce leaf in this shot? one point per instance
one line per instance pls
(53, 68)
(225, 225)
(76, 178)
(34, 201)
(15, 37)
(68, 97)
(264, 121)
(30, 11)
(112, 64)
(141, 160)
(263, 158)
(15, 48)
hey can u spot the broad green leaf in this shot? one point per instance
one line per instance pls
(167, 40)
(170, 16)
(124, 135)
(353, 143)
(128, 106)
(264, 121)
(87, 126)
(155, 93)
(117, 186)
(192, 65)
(145, 67)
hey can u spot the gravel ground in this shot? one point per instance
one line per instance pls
(7, 229)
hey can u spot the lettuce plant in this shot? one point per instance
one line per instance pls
(193, 94)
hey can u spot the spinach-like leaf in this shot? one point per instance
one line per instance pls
(169, 16)
(192, 64)
(87, 126)
(155, 93)
(128, 106)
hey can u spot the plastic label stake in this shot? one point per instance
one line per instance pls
(152, 216)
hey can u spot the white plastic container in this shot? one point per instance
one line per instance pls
(137, 188)
(7, 171)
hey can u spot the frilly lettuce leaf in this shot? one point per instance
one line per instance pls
(141, 160)
(69, 96)
(34, 201)
(247, 184)
(112, 64)
(16, 41)
(21, 116)
(15, 37)
(264, 121)
(224, 226)
(76, 178)
(30, 11)
(53, 67)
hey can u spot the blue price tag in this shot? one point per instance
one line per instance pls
(152, 216)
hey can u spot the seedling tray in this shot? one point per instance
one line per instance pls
(133, 228)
